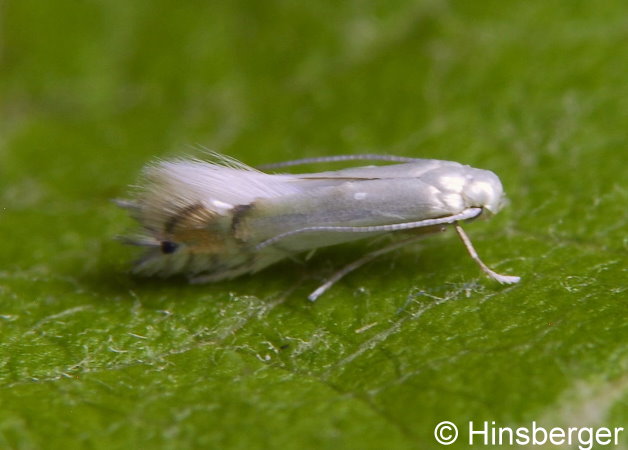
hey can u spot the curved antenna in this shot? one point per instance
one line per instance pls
(468, 213)
(339, 158)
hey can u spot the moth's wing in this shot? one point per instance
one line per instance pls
(406, 170)
(339, 158)
(171, 186)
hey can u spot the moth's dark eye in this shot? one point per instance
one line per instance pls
(168, 247)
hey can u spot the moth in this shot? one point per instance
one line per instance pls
(220, 219)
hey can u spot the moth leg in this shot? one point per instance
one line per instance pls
(504, 279)
(356, 265)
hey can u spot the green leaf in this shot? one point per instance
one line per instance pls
(91, 357)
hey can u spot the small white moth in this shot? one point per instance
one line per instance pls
(222, 219)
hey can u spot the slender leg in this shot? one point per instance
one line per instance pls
(357, 264)
(504, 279)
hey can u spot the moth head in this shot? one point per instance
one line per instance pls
(484, 189)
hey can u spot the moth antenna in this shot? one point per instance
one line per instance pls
(503, 279)
(338, 158)
(356, 265)
(468, 213)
